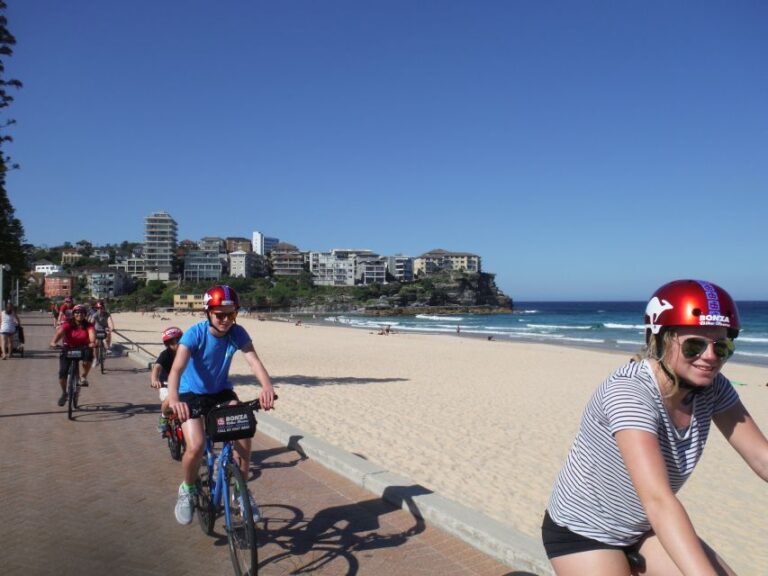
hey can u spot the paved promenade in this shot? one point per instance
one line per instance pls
(96, 495)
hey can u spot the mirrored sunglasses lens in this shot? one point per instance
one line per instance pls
(694, 347)
(724, 348)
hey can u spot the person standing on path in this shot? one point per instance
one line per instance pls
(9, 323)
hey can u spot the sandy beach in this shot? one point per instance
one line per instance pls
(484, 423)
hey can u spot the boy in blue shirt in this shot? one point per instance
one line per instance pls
(199, 380)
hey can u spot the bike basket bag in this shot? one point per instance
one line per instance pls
(101, 334)
(73, 353)
(230, 423)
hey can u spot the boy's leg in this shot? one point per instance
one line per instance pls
(194, 437)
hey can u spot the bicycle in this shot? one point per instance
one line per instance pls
(73, 377)
(221, 486)
(101, 349)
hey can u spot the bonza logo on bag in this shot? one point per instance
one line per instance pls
(233, 422)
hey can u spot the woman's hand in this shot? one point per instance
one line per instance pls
(155, 383)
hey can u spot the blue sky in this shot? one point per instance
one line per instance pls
(586, 150)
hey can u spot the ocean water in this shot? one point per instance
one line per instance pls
(604, 325)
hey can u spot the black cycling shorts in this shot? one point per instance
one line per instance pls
(64, 362)
(560, 541)
(201, 404)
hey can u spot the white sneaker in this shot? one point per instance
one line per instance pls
(185, 505)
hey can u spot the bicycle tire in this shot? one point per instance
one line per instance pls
(241, 533)
(102, 356)
(206, 515)
(175, 440)
(72, 390)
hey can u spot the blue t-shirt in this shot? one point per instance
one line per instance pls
(208, 369)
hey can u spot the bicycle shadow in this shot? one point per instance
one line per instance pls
(105, 411)
(333, 538)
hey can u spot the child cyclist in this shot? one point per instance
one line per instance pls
(198, 381)
(160, 370)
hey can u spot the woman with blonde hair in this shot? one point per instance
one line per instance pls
(614, 507)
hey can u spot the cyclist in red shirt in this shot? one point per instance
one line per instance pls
(76, 333)
(65, 311)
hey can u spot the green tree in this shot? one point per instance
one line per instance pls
(11, 229)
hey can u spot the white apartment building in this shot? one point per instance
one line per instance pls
(401, 267)
(44, 267)
(160, 239)
(132, 266)
(107, 283)
(346, 267)
(334, 268)
(287, 260)
(246, 264)
(263, 245)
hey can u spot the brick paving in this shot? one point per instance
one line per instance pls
(96, 495)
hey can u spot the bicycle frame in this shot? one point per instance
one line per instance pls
(218, 485)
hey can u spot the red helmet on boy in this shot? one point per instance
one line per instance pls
(171, 333)
(691, 303)
(221, 295)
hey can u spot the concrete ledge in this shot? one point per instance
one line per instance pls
(501, 541)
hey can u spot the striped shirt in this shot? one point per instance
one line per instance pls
(593, 494)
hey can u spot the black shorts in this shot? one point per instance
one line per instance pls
(201, 404)
(559, 541)
(64, 362)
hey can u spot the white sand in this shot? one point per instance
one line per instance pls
(484, 423)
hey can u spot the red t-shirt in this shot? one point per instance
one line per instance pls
(76, 336)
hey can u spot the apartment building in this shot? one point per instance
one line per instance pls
(244, 264)
(107, 283)
(287, 260)
(46, 268)
(160, 238)
(263, 245)
(58, 285)
(238, 244)
(401, 267)
(202, 265)
(439, 260)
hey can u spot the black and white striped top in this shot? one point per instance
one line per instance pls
(593, 494)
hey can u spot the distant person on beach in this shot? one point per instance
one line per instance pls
(9, 322)
(199, 380)
(642, 434)
(74, 333)
(161, 368)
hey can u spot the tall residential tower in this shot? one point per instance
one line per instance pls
(160, 237)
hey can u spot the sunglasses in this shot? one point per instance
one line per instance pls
(695, 347)
(78, 312)
(221, 316)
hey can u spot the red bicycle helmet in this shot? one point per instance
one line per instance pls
(691, 303)
(68, 300)
(221, 295)
(99, 305)
(78, 308)
(171, 333)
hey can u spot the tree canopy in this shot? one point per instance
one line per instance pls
(11, 229)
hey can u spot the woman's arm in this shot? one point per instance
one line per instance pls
(267, 395)
(669, 520)
(57, 336)
(745, 436)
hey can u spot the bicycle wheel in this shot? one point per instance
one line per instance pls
(206, 515)
(102, 355)
(72, 389)
(241, 533)
(175, 439)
